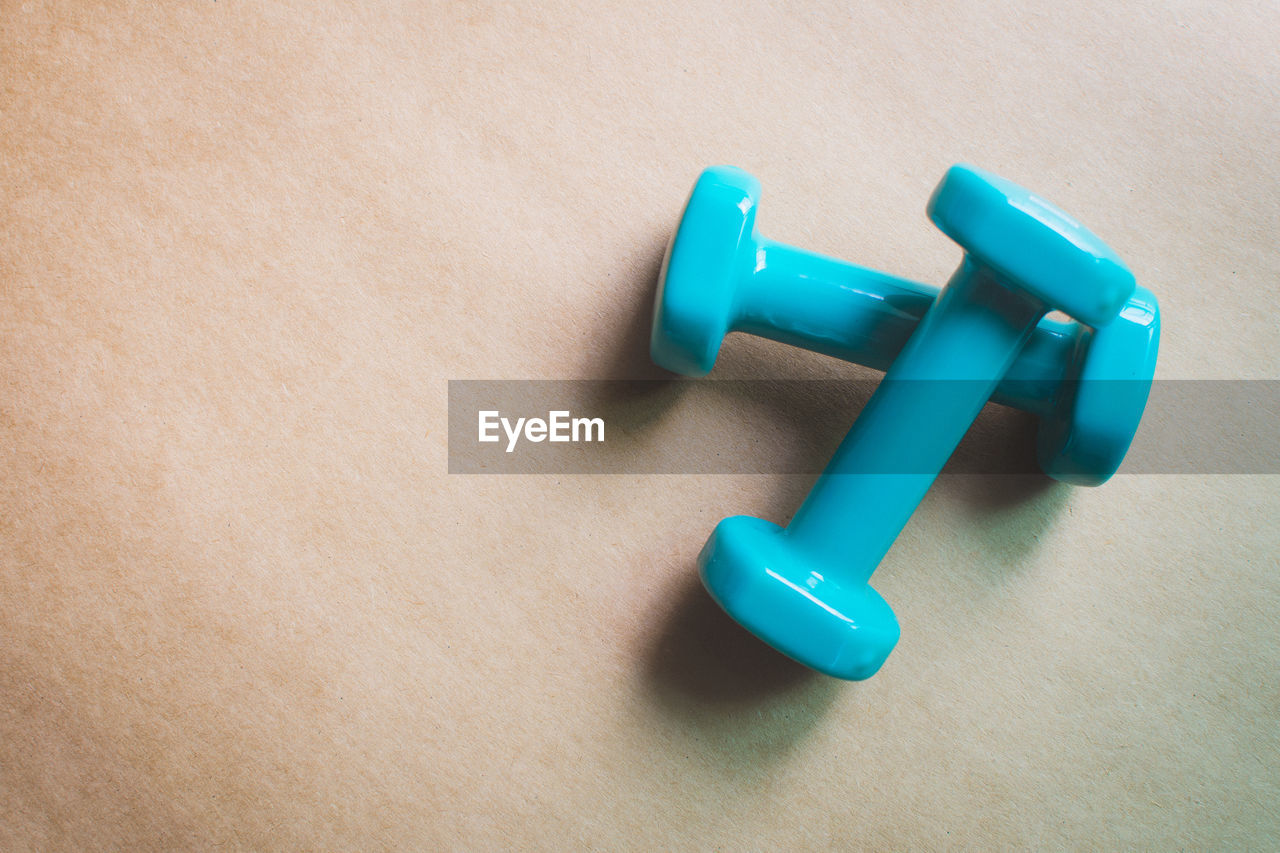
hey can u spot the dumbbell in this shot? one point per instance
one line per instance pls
(803, 588)
(1088, 386)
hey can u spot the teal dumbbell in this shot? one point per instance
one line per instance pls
(803, 588)
(1088, 386)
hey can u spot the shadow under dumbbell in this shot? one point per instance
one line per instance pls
(709, 671)
(647, 391)
(1011, 515)
(995, 479)
(630, 356)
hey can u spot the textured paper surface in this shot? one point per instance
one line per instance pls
(244, 605)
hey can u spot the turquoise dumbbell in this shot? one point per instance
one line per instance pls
(803, 589)
(1088, 386)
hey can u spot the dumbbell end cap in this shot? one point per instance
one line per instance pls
(694, 306)
(1102, 401)
(754, 573)
(1032, 244)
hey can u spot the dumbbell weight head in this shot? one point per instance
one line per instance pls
(1026, 239)
(1094, 411)
(701, 270)
(1101, 401)
(840, 626)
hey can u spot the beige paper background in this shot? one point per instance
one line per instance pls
(243, 604)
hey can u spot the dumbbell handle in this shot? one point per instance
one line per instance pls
(864, 316)
(913, 422)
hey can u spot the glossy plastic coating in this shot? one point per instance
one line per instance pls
(720, 275)
(804, 588)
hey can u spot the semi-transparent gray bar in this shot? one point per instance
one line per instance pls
(717, 426)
